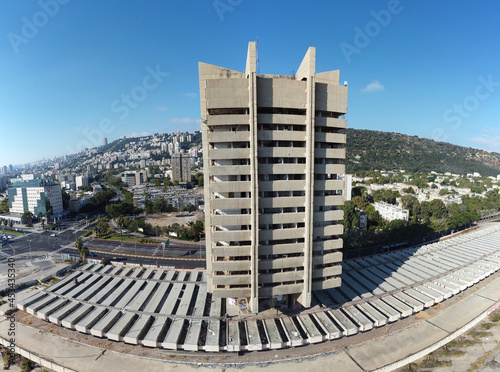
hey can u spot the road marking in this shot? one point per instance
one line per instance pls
(42, 259)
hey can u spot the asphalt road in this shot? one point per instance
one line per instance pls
(32, 244)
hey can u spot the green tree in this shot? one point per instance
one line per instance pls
(4, 205)
(438, 209)
(351, 216)
(84, 253)
(120, 221)
(159, 206)
(11, 223)
(5, 222)
(79, 246)
(102, 226)
(27, 218)
(65, 199)
(148, 206)
(360, 202)
(388, 196)
(200, 179)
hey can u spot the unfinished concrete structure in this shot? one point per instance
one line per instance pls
(272, 154)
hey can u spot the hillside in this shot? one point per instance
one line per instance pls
(369, 150)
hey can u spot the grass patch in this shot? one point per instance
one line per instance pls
(129, 239)
(480, 334)
(452, 352)
(430, 361)
(10, 232)
(123, 238)
(487, 325)
(464, 343)
(495, 318)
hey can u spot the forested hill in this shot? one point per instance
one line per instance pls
(369, 150)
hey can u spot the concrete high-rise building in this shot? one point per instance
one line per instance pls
(140, 177)
(81, 181)
(104, 141)
(181, 167)
(273, 150)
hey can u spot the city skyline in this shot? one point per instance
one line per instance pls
(68, 83)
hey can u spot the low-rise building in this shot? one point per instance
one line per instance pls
(391, 212)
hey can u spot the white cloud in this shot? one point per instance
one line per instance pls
(184, 121)
(162, 108)
(135, 134)
(374, 86)
(490, 141)
(191, 95)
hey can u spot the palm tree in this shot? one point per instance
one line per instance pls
(84, 253)
(27, 218)
(79, 244)
(11, 223)
(120, 221)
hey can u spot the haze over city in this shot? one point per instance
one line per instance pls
(73, 73)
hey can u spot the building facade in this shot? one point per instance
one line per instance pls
(81, 181)
(35, 196)
(181, 167)
(390, 212)
(273, 150)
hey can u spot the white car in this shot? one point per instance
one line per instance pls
(52, 234)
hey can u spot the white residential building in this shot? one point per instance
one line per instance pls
(391, 212)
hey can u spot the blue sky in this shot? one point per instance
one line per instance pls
(73, 71)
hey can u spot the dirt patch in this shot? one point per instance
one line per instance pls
(171, 218)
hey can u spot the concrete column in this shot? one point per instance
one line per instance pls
(254, 174)
(305, 297)
(208, 207)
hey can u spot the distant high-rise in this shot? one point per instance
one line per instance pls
(181, 167)
(273, 150)
(81, 181)
(104, 141)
